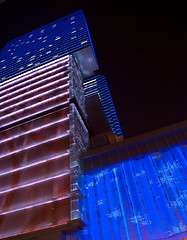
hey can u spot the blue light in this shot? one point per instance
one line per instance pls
(100, 87)
(139, 198)
(51, 41)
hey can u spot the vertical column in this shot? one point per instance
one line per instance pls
(79, 139)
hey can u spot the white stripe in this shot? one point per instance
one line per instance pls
(34, 105)
(34, 145)
(36, 83)
(29, 80)
(28, 86)
(35, 205)
(34, 71)
(35, 97)
(34, 130)
(34, 183)
(34, 114)
(34, 164)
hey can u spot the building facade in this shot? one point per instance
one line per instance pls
(68, 35)
(97, 86)
(137, 189)
(44, 127)
(51, 185)
(42, 133)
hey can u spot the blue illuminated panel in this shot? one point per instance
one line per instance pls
(97, 85)
(49, 42)
(143, 197)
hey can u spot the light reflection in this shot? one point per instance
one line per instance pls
(35, 145)
(35, 205)
(31, 115)
(36, 96)
(35, 164)
(66, 172)
(28, 85)
(35, 130)
(35, 105)
(40, 70)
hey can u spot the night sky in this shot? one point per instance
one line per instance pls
(141, 48)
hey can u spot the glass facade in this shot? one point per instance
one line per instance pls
(131, 191)
(130, 195)
(97, 85)
(59, 38)
(41, 136)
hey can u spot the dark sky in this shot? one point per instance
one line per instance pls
(141, 48)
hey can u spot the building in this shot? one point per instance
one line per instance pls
(97, 94)
(65, 172)
(44, 126)
(68, 35)
(42, 133)
(136, 189)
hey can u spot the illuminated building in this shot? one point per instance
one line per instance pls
(97, 86)
(51, 185)
(137, 189)
(43, 127)
(68, 35)
(42, 133)
(64, 36)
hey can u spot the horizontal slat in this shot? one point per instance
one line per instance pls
(34, 109)
(37, 74)
(35, 182)
(35, 205)
(22, 99)
(14, 138)
(31, 85)
(26, 166)
(34, 145)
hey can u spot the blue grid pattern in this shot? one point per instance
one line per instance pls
(44, 44)
(139, 198)
(98, 85)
